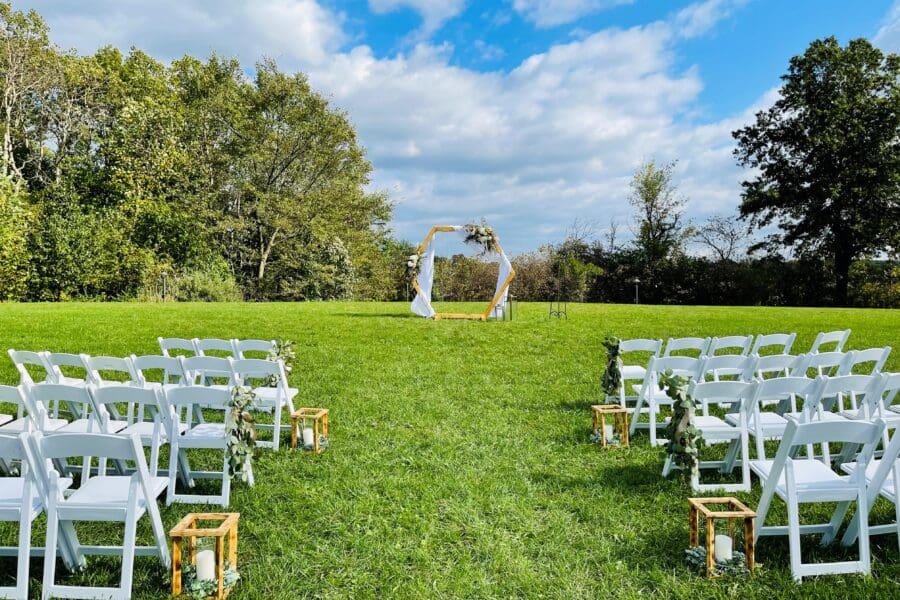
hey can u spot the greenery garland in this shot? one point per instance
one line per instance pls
(685, 440)
(696, 559)
(612, 376)
(483, 235)
(283, 350)
(200, 589)
(241, 431)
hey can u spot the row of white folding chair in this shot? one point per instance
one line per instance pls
(651, 398)
(103, 497)
(807, 480)
(200, 346)
(194, 370)
(711, 346)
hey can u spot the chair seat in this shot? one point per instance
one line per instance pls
(633, 372)
(657, 395)
(111, 491)
(825, 416)
(888, 489)
(6, 419)
(85, 426)
(266, 396)
(205, 431)
(21, 425)
(809, 475)
(145, 430)
(707, 422)
(11, 492)
(767, 419)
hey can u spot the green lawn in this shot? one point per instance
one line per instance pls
(460, 464)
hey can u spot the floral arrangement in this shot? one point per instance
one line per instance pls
(685, 440)
(412, 266)
(483, 235)
(200, 589)
(283, 350)
(696, 559)
(612, 376)
(241, 431)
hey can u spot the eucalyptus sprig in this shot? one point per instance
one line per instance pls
(283, 350)
(696, 559)
(240, 429)
(685, 439)
(201, 589)
(612, 376)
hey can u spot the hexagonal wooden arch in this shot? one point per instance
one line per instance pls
(481, 317)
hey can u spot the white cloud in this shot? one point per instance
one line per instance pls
(550, 13)
(434, 12)
(293, 31)
(555, 138)
(698, 18)
(888, 36)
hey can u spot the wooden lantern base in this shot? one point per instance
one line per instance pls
(319, 417)
(736, 510)
(620, 422)
(187, 530)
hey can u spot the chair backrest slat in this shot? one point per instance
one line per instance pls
(167, 344)
(700, 345)
(838, 338)
(739, 342)
(784, 342)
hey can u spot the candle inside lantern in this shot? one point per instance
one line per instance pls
(206, 565)
(608, 432)
(308, 437)
(724, 547)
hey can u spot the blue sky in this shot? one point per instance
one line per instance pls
(528, 112)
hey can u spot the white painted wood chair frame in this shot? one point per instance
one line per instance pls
(784, 341)
(741, 343)
(21, 504)
(801, 481)
(261, 346)
(205, 435)
(22, 358)
(205, 345)
(102, 498)
(272, 399)
(168, 344)
(838, 338)
(698, 344)
(766, 425)
(652, 397)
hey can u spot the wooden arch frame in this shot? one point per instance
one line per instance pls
(500, 291)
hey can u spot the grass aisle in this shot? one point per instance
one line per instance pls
(459, 464)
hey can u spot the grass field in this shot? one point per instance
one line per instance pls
(460, 464)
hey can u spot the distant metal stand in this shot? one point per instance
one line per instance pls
(561, 310)
(509, 309)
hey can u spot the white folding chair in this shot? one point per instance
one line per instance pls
(147, 415)
(765, 425)
(170, 370)
(736, 366)
(782, 341)
(652, 397)
(99, 368)
(687, 344)
(223, 348)
(260, 348)
(28, 416)
(101, 498)
(20, 502)
(716, 430)
(838, 338)
(808, 480)
(184, 345)
(882, 479)
(72, 362)
(206, 435)
(737, 344)
(632, 372)
(856, 361)
(779, 365)
(207, 370)
(269, 398)
(75, 401)
(22, 359)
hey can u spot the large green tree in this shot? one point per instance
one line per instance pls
(826, 156)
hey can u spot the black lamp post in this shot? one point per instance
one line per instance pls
(636, 283)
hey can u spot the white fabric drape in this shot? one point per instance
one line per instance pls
(421, 304)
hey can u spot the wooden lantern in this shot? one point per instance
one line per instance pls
(319, 417)
(189, 531)
(619, 416)
(736, 510)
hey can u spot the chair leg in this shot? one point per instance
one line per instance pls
(50, 546)
(865, 559)
(174, 465)
(837, 518)
(131, 518)
(793, 510)
(652, 413)
(226, 484)
(636, 415)
(276, 428)
(24, 557)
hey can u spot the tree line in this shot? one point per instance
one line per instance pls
(125, 178)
